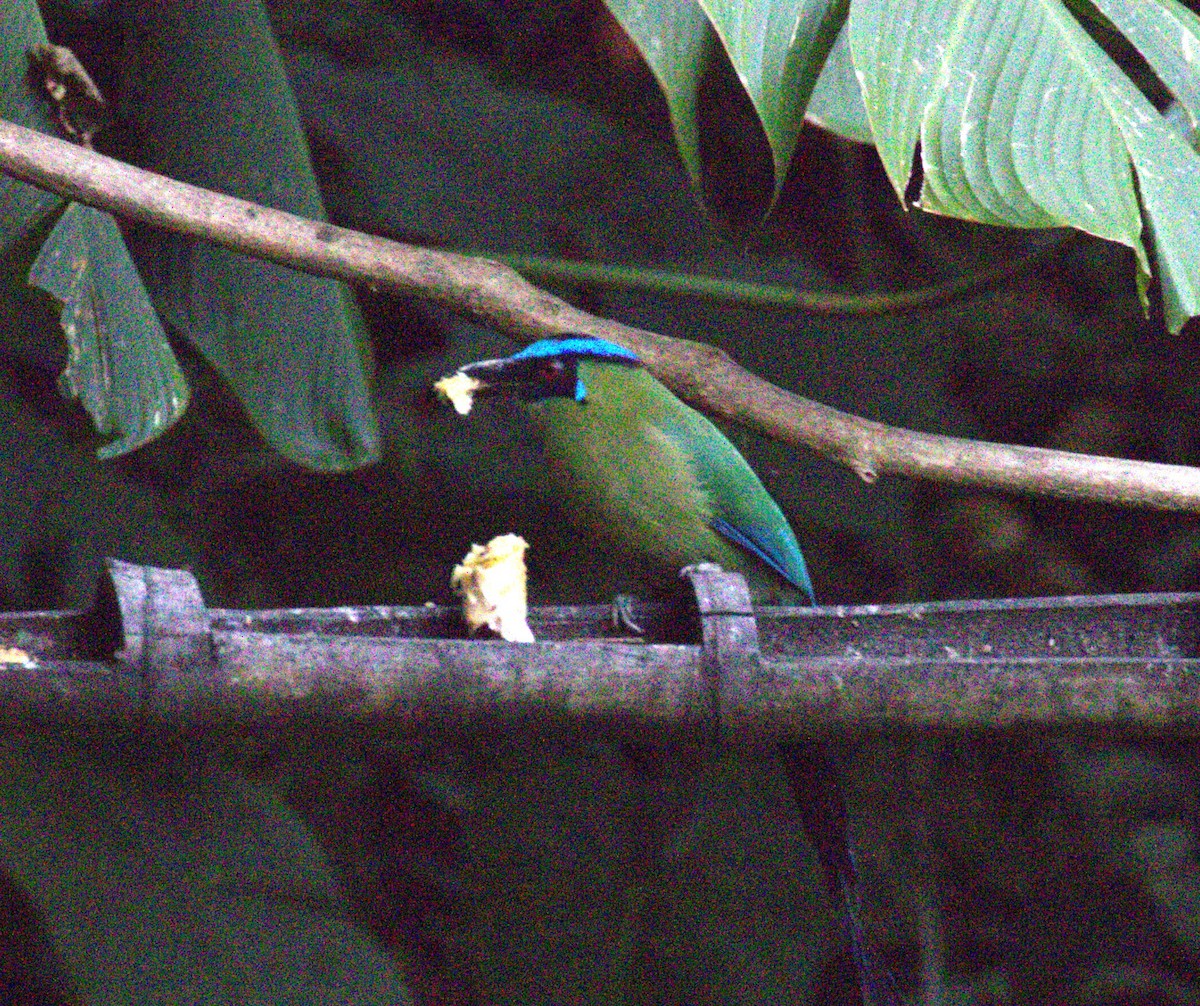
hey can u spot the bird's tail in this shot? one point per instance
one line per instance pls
(822, 807)
(875, 981)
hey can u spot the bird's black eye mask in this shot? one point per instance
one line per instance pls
(551, 377)
(530, 380)
(537, 378)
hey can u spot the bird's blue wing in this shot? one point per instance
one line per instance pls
(772, 546)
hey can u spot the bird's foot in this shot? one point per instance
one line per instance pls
(622, 615)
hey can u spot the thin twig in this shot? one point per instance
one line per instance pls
(778, 296)
(497, 295)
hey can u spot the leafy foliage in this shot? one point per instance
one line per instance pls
(1022, 119)
(212, 97)
(119, 361)
(778, 50)
(673, 39)
(22, 206)
(175, 881)
(291, 346)
(540, 871)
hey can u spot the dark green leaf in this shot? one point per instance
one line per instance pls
(22, 207)
(179, 884)
(1024, 121)
(672, 36)
(837, 103)
(778, 48)
(118, 362)
(1168, 35)
(215, 105)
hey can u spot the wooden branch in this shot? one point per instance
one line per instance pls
(501, 298)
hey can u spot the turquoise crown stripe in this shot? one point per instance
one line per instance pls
(578, 345)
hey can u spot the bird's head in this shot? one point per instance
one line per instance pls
(545, 369)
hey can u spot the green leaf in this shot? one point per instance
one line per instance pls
(778, 48)
(895, 50)
(837, 102)
(119, 362)
(212, 98)
(1168, 35)
(22, 207)
(672, 36)
(165, 883)
(1013, 135)
(1024, 121)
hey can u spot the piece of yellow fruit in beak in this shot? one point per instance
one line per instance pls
(460, 389)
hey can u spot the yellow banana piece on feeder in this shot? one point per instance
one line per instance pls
(491, 580)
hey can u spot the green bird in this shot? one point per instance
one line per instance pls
(643, 469)
(639, 467)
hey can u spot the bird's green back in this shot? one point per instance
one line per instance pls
(663, 478)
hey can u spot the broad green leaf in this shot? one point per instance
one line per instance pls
(119, 362)
(1168, 35)
(778, 48)
(1024, 121)
(672, 36)
(897, 48)
(837, 102)
(178, 883)
(22, 207)
(212, 98)
(1015, 135)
